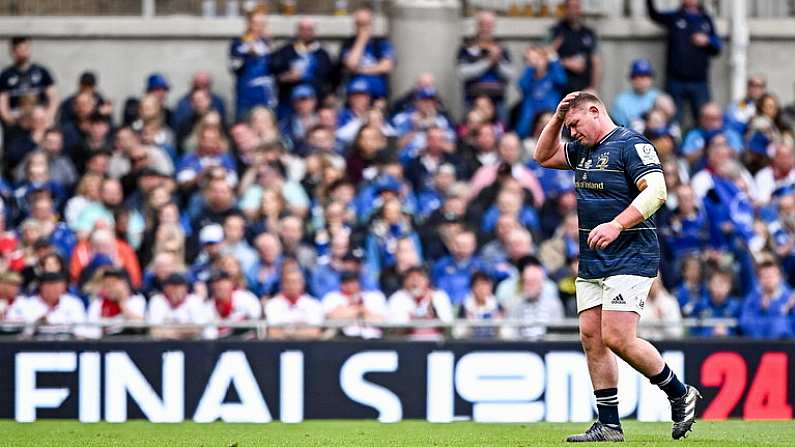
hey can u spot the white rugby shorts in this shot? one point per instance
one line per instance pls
(626, 293)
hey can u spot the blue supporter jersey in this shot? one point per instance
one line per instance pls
(605, 180)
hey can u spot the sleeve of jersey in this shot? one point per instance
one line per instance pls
(640, 159)
(570, 151)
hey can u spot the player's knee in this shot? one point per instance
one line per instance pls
(615, 339)
(591, 339)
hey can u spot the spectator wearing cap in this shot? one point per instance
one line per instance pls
(531, 298)
(115, 301)
(480, 304)
(263, 277)
(354, 113)
(630, 105)
(541, 84)
(483, 63)
(302, 116)
(52, 309)
(230, 304)
(25, 81)
(10, 292)
(301, 61)
(764, 312)
(176, 306)
(201, 80)
(411, 126)
(577, 46)
(711, 123)
(740, 112)
(406, 102)
(293, 312)
(211, 240)
(326, 275)
(418, 300)
(437, 151)
(367, 57)
(717, 302)
(453, 273)
(249, 58)
(349, 301)
(162, 265)
(86, 83)
(691, 42)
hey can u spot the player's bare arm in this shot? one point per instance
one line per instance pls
(550, 152)
(652, 196)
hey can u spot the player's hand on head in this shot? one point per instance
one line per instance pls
(565, 104)
(603, 235)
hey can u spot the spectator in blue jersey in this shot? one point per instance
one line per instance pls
(717, 302)
(211, 150)
(453, 273)
(480, 305)
(431, 197)
(22, 138)
(510, 202)
(263, 277)
(389, 225)
(691, 42)
(202, 80)
(438, 150)
(302, 116)
(691, 288)
(710, 124)
(411, 125)
(386, 185)
(576, 45)
(367, 57)
(687, 230)
(541, 84)
(484, 64)
(302, 61)
(249, 56)
(630, 105)
(764, 310)
(25, 81)
(327, 276)
(360, 98)
(87, 83)
(740, 112)
(782, 232)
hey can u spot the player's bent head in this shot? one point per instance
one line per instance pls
(585, 100)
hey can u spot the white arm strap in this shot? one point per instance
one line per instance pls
(652, 195)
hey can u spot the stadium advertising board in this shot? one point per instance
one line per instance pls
(440, 382)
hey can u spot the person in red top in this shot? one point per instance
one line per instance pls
(115, 301)
(103, 241)
(231, 304)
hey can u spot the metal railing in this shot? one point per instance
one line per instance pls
(565, 329)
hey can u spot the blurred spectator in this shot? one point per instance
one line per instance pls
(296, 314)
(349, 302)
(417, 300)
(531, 298)
(481, 152)
(228, 303)
(390, 225)
(363, 155)
(764, 129)
(366, 57)
(163, 264)
(687, 231)
(263, 276)
(480, 304)
(711, 125)
(111, 197)
(631, 105)
(235, 242)
(563, 245)
(412, 125)
(291, 233)
(452, 273)
(249, 56)
(302, 61)
(198, 113)
(510, 152)
(541, 84)
(406, 256)
(779, 177)
(176, 313)
(326, 275)
(211, 245)
(103, 248)
(718, 156)
(661, 308)
(692, 288)
(24, 84)
(202, 80)
(61, 168)
(406, 101)
(87, 83)
(430, 197)
(211, 151)
(55, 231)
(302, 116)
(717, 303)
(52, 309)
(437, 151)
(115, 301)
(484, 64)
(24, 136)
(577, 44)
(740, 112)
(692, 40)
(10, 292)
(764, 311)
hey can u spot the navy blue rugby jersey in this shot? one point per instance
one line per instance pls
(605, 180)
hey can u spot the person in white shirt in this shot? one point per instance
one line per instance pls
(115, 301)
(531, 300)
(780, 174)
(417, 300)
(52, 310)
(480, 305)
(661, 307)
(292, 306)
(350, 302)
(176, 306)
(228, 304)
(10, 285)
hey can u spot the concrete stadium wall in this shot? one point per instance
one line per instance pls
(123, 51)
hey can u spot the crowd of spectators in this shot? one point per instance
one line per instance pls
(319, 195)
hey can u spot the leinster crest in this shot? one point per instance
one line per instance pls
(603, 160)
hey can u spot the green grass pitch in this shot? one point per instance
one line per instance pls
(368, 433)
